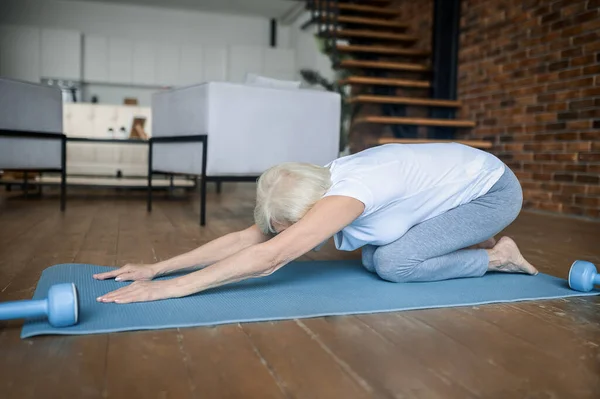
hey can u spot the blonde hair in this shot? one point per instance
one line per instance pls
(287, 191)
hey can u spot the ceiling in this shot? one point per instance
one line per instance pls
(263, 8)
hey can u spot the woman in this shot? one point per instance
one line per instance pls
(421, 212)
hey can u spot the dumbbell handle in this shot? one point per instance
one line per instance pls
(23, 309)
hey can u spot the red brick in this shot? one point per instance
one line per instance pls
(523, 156)
(531, 185)
(586, 16)
(548, 117)
(567, 115)
(590, 92)
(578, 125)
(566, 136)
(589, 113)
(542, 176)
(556, 126)
(571, 31)
(589, 157)
(537, 195)
(570, 73)
(583, 60)
(565, 157)
(572, 189)
(556, 107)
(572, 52)
(581, 146)
(591, 70)
(593, 135)
(564, 177)
(562, 199)
(568, 94)
(586, 38)
(587, 201)
(593, 190)
(581, 104)
(542, 157)
(588, 179)
(544, 147)
(545, 206)
(550, 186)
(556, 66)
(575, 168)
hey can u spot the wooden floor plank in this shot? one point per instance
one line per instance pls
(132, 357)
(304, 368)
(451, 359)
(146, 364)
(388, 369)
(209, 353)
(548, 338)
(512, 353)
(56, 361)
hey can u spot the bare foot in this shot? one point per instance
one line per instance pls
(506, 257)
(487, 244)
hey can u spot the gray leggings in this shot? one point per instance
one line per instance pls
(434, 250)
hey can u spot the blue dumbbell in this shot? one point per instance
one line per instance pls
(583, 275)
(61, 307)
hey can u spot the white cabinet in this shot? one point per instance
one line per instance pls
(61, 54)
(120, 60)
(20, 53)
(105, 118)
(167, 64)
(215, 64)
(244, 60)
(144, 69)
(191, 62)
(78, 119)
(95, 59)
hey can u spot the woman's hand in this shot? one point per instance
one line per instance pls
(129, 272)
(142, 291)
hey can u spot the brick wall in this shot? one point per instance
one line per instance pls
(529, 75)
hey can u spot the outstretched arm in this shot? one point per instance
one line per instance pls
(202, 256)
(326, 218)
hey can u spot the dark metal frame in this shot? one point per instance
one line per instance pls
(24, 134)
(445, 47)
(200, 138)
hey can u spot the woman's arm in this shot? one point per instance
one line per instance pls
(326, 218)
(202, 256)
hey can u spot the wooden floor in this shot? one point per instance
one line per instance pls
(545, 349)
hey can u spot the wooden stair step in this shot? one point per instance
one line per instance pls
(394, 120)
(390, 51)
(366, 80)
(482, 144)
(429, 102)
(369, 34)
(376, 22)
(351, 7)
(398, 66)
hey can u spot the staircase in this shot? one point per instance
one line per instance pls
(391, 83)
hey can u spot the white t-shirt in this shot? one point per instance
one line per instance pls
(403, 185)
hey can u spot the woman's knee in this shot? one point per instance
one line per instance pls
(393, 269)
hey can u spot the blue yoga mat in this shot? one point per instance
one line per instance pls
(299, 290)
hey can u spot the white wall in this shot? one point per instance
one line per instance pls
(209, 42)
(136, 22)
(307, 52)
